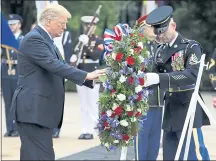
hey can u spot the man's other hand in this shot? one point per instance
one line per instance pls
(95, 74)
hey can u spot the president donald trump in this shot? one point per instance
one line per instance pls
(38, 101)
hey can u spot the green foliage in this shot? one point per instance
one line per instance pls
(196, 20)
(124, 99)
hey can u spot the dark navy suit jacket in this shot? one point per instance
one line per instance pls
(40, 95)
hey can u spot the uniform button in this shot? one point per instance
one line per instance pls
(159, 55)
(170, 94)
(164, 70)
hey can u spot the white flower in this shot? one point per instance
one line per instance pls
(133, 119)
(141, 58)
(121, 97)
(106, 144)
(126, 142)
(140, 44)
(114, 55)
(124, 123)
(114, 106)
(109, 113)
(139, 72)
(128, 108)
(122, 79)
(138, 89)
(116, 141)
(132, 51)
(139, 110)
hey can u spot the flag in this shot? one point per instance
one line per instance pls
(8, 39)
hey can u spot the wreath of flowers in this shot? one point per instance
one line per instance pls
(124, 99)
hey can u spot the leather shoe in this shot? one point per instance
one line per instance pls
(82, 136)
(55, 135)
(14, 134)
(88, 136)
(7, 134)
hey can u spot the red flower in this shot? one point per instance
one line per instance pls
(130, 60)
(131, 35)
(143, 67)
(130, 80)
(106, 124)
(138, 114)
(113, 91)
(138, 50)
(118, 111)
(141, 81)
(113, 115)
(119, 57)
(125, 137)
(141, 35)
(130, 113)
(103, 113)
(139, 97)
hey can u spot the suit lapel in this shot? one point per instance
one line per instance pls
(50, 42)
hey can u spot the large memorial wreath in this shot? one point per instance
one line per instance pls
(124, 99)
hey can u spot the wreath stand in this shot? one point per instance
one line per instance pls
(191, 113)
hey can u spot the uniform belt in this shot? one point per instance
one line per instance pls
(185, 88)
(89, 61)
(7, 61)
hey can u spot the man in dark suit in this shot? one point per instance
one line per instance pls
(178, 64)
(9, 79)
(38, 101)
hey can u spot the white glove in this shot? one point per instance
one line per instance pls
(152, 78)
(73, 58)
(84, 39)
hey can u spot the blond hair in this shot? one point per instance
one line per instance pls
(53, 11)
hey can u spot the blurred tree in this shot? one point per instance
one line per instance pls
(196, 20)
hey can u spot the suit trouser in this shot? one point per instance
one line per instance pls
(36, 142)
(8, 89)
(147, 143)
(89, 107)
(197, 149)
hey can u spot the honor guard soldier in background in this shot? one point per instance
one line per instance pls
(66, 52)
(178, 64)
(147, 142)
(212, 74)
(89, 61)
(9, 75)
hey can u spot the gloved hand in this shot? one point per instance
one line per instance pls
(84, 39)
(73, 58)
(152, 78)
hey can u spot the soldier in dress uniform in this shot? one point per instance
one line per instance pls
(89, 62)
(212, 74)
(66, 54)
(147, 143)
(9, 73)
(178, 64)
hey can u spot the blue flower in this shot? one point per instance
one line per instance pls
(114, 123)
(112, 147)
(110, 87)
(130, 70)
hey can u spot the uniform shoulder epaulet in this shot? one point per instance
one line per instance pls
(193, 43)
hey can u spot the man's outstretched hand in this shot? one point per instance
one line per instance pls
(95, 74)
